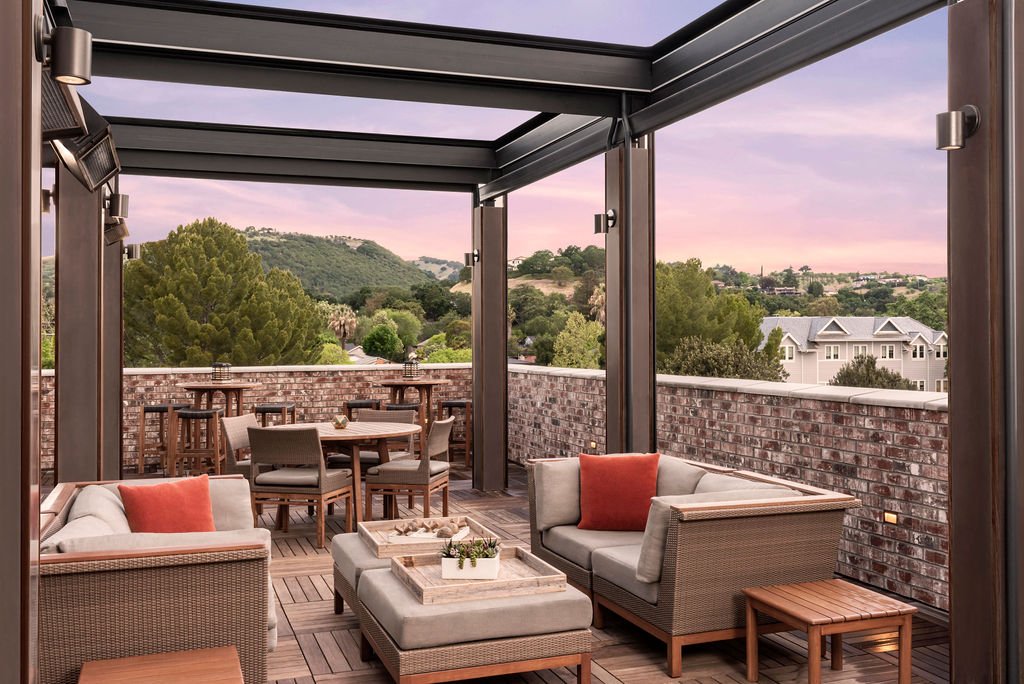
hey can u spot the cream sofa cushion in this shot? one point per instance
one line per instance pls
(557, 492)
(617, 564)
(352, 557)
(229, 498)
(676, 476)
(100, 502)
(717, 482)
(85, 526)
(414, 625)
(652, 548)
(576, 545)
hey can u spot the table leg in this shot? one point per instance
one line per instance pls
(837, 651)
(906, 649)
(357, 485)
(814, 655)
(751, 643)
(425, 405)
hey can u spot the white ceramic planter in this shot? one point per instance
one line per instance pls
(486, 568)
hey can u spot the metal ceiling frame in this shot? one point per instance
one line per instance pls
(580, 86)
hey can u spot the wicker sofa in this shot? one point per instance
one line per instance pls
(710, 532)
(105, 592)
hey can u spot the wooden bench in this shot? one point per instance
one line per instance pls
(823, 609)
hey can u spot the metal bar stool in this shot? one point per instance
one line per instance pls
(465, 443)
(280, 408)
(356, 404)
(193, 435)
(158, 447)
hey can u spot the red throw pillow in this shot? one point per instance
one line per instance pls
(616, 490)
(182, 506)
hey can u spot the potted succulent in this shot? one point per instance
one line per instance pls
(476, 559)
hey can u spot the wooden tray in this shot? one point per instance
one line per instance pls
(521, 574)
(375, 535)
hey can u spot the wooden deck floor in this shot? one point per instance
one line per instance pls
(315, 645)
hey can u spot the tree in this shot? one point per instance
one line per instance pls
(561, 274)
(201, 296)
(435, 298)
(731, 359)
(597, 303)
(931, 308)
(407, 326)
(341, 320)
(768, 283)
(815, 289)
(687, 305)
(458, 332)
(333, 355)
(863, 371)
(538, 263)
(384, 342)
(449, 355)
(823, 306)
(789, 278)
(465, 274)
(579, 343)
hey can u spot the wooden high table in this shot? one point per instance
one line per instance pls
(233, 391)
(423, 386)
(352, 436)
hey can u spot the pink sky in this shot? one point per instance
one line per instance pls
(833, 166)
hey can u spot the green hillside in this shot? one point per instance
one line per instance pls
(333, 266)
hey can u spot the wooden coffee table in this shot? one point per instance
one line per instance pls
(212, 665)
(827, 608)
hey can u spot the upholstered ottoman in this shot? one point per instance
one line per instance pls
(351, 558)
(447, 642)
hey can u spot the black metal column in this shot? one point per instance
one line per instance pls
(629, 302)
(19, 338)
(79, 351)
(490, 347)
(112, 362)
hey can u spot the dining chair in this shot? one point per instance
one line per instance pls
(235, 430)
(424, 477)
(369, 457)
(300, 477)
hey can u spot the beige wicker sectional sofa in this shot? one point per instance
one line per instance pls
(710, 532)
(105, 592)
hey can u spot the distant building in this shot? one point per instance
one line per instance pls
(515, 262)
(814, 348)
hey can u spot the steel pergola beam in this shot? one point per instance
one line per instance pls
(173, 148)
(233, 45)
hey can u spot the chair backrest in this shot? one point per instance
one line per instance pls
(437, 440)
(383, 416)
(236, 434)
(285, 447)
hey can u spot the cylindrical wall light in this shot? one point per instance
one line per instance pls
(953, 128)
(67, 51)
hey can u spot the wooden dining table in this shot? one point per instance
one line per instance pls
(423, 386)
(233, 391)
(354, 435)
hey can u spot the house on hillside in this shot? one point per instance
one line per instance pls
(814, 348)
(515, 262)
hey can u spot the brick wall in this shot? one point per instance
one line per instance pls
(554, 412)
(319, 392)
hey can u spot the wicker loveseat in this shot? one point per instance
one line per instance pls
(710, 533)
(105, 592)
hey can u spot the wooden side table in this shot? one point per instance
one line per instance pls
(823, 609)
(211, 665)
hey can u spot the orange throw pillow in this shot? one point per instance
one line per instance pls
(616, 490)
(182, 506)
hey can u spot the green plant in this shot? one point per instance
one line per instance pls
(471, 550)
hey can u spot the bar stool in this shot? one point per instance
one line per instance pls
(281, 408)
(402, 407)
(356, 404)
(159, 447)
(447, 408)
(193, 435)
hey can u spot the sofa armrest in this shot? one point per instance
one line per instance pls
(713, 552)
(113, 604)
(760, 507)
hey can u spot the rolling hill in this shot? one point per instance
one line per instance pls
(333, 266)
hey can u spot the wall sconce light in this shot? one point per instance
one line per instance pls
(602, 222)
(132, 252)
(46, 200)
(472, 257)
(953, 128)
(69, 55)
(117, 206)
(115, 232)
(890, 517)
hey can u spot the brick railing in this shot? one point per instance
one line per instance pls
(888, 448)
